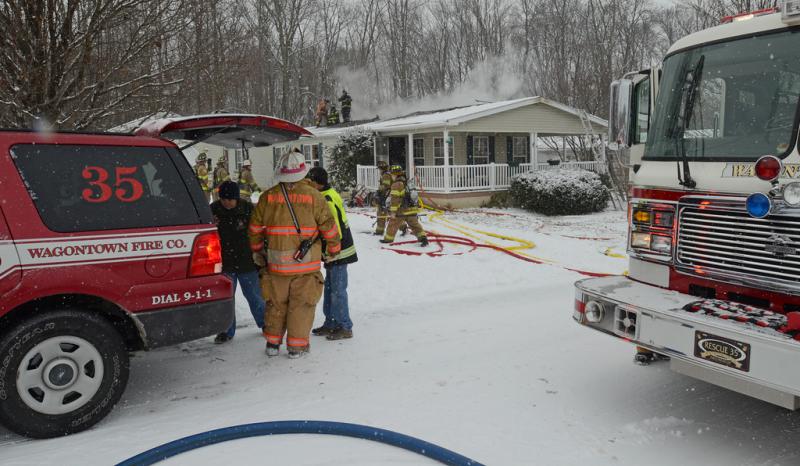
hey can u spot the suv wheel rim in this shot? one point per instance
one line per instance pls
(59, 375)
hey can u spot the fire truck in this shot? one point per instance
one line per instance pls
(714, 208)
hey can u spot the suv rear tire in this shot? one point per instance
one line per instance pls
(60, 373)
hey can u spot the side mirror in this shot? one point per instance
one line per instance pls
(619, 113)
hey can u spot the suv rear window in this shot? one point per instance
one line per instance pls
(84, 188)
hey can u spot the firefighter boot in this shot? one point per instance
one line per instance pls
(298, 351)
(423, 241)
(272, 350)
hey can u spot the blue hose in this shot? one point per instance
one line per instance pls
(375, 434)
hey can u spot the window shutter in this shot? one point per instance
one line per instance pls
(321, 154)
(491, 149)
(510, 150)
(528, 149)
(469, 150)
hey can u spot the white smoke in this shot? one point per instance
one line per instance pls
(492, 80)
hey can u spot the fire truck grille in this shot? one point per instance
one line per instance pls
(732, 243)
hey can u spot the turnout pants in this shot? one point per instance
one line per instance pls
(383, 213)
(411, 220)
(290, 308)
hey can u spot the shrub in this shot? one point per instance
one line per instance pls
(353, 148)
(560, 192)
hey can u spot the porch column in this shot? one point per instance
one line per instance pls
(410, 155)
(446, 149)
(374, 150)
(534, 150)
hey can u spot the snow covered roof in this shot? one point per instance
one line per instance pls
(450, 117)
(130, 126)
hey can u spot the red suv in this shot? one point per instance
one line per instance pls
(106, 246)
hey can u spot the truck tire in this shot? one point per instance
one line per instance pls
(60, 373)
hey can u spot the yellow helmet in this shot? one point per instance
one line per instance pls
(397, 170)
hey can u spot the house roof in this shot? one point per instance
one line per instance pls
(451, 117)
(131, 126)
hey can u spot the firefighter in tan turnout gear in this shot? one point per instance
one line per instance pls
(201, 171)
(247, 183)
(290, 219)
(402, 209)
(384, 187)
(220, 174)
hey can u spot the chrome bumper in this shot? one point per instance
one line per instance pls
(742, 357)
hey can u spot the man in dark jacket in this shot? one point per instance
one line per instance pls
(232, 216)
(337, 324)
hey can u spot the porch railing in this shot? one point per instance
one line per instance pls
(467, 178)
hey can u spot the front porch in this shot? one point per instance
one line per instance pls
(470, 178)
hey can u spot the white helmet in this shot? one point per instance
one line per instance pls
(247, 163)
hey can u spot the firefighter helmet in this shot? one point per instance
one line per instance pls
(397, 170)
(202, 157)
(382, 165)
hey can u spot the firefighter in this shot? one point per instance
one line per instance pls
(335, 306)
(291, 218)
(220, 175)
(346, 102)
(333, 116)
(201, 171)
(247, 183)
(384, 187)
(402, 209)
(321, 115)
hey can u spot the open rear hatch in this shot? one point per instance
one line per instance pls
(234, 131)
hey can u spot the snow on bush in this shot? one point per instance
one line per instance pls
(353, 148)
(560, 192)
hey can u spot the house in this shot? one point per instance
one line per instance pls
(486, 144)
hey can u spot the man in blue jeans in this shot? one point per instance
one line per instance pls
(338, 325)
(232, 216)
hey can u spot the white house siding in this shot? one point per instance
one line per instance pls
(541, 118)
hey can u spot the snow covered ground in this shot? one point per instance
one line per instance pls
(474, 351)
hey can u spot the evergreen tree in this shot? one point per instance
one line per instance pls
(353, 148)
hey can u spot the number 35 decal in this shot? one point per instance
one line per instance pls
(102, 192)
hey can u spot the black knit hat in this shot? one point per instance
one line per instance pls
(229, 190)
(318, 175)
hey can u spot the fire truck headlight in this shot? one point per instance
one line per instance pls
(661, 243)
(791, 194)
(640, 240)
(594, 312)
(758, 205)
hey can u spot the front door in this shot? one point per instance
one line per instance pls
(398, 152)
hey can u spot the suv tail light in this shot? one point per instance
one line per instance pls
(206, 255)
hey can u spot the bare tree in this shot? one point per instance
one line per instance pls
(75, 63)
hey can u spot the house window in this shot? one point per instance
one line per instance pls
(238, 157)
(520, 150)
(480, 150)
(419, 152)
(438, 158)
(311, 153)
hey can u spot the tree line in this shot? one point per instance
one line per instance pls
(93, 64)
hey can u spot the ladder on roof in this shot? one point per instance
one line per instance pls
(600, 156)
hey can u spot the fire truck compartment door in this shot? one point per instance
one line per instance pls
(232, 131)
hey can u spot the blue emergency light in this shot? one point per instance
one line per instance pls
(758, 205)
